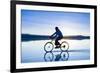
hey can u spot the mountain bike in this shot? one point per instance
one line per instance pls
(60, 56)
(49, 46)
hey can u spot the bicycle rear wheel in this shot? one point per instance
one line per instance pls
(48, 46)
(64, 56)
(64, 46)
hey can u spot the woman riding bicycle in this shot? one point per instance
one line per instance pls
(57, 36)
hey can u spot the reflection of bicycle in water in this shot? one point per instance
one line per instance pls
(49, 46)
(52, 56)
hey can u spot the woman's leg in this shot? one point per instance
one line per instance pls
(57, 42)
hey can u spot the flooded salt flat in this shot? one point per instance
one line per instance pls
(33, 51)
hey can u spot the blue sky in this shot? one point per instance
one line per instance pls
(44, 22)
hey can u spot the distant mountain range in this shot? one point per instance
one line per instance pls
(29, 37)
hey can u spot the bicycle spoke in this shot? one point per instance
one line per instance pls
(64, 46)
(48, 47)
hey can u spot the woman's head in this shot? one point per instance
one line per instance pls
(56, 28)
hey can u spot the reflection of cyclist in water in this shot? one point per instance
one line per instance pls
(58, 36)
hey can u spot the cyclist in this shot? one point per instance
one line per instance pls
(58, 36)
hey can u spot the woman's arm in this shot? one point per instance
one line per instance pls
(53, 35)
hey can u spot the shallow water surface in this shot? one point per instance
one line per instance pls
(33, 51)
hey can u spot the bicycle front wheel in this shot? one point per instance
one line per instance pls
(48, 56)
(48, 46)
(64, 46)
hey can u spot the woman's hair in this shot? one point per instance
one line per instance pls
(56, 28)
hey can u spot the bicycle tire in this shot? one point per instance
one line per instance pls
(47, 59)
(63, 57)
(50, 47)
(64, 42)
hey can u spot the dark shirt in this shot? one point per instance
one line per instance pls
(58, 33)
